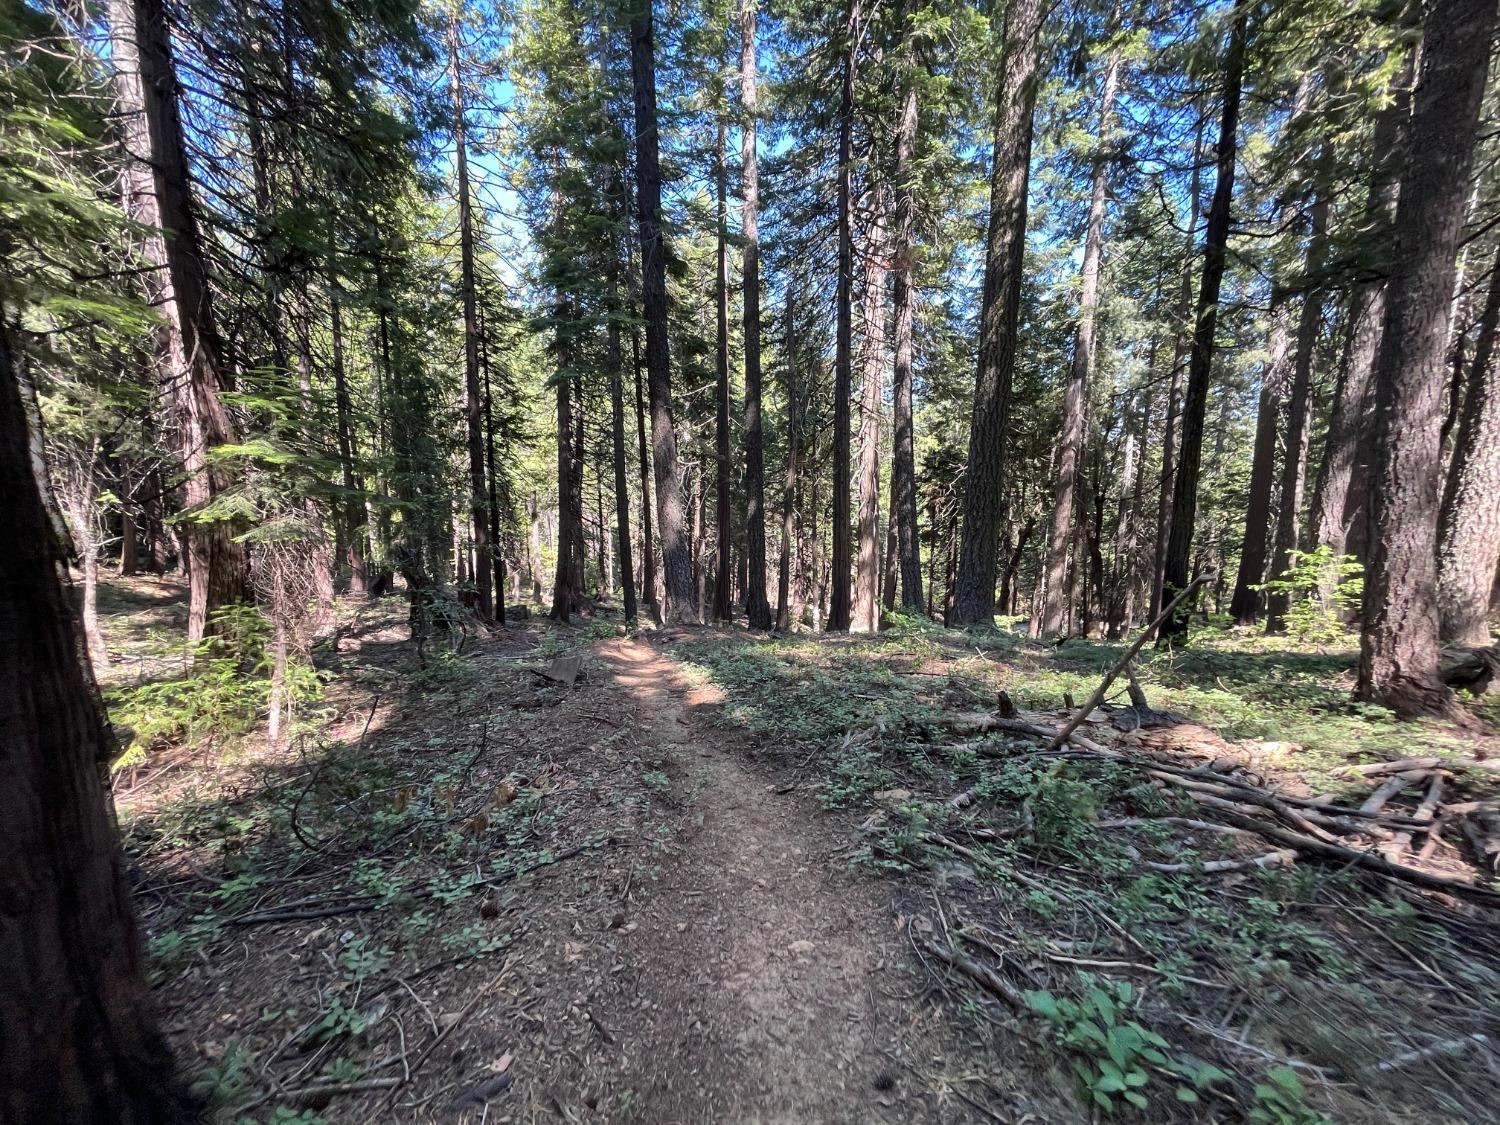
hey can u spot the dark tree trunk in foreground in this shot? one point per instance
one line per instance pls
(904, 299)
(839, 593)
(1339, 494)
(1294, 461)
(1200, 363)
(80, 1045)
(157, 196)
(984, 485)
(479, 527)
(1075, 394)
(1469, 529)
(1246, 602)
(757, 606)
(681, 605)
(1399, 641)
(723, 608)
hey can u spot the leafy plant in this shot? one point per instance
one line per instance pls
(226, 691)
(1323, 592)
(1279, 1101)
(1114, 1054)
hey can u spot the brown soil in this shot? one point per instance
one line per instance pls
(766, 980)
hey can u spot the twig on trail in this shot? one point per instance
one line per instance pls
(985, 977)
(1131, 966)
(317, 1092)
(1109, 677)
(437, 1040)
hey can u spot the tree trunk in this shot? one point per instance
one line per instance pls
(1399, 641)
(904, 299)
(674, 547)
(157, 196)
(723, 607)
(789, 485)
(492, 499)
(1075, 394)
(356, 539)
(866, 608)
(80, 1042)
(565, 592)
(1294, 461)
(1245, 604)
(984, 486)
(479, 525)
(1469, 528)
(1338, 508)
(757, 608)
(1181, 350)
(839, 605)
(621, 474)
(648, 555)
(1200, 363)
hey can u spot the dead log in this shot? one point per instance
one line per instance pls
(1475, 670)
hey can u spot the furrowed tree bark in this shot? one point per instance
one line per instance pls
(158, 196)
(904, 300)
(80, 1041)
(839, 592)
(1339, 493)
(1294, 460)
(757, 606)
(723, 608)
(681, 605)
(1075, 394)
(1216, 237)
(984, 486)
(866, 609)
(479, 530)
(1399, 640)
(1469, 526)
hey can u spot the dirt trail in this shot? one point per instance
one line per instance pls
(774, 976)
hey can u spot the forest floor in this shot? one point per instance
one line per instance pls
(724, 877)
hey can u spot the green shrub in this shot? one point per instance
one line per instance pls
(226, 691)
(1323, 592)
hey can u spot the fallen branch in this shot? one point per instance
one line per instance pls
(982, 975)
(1219, 866)
(1109, 677)
(1368, 860)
